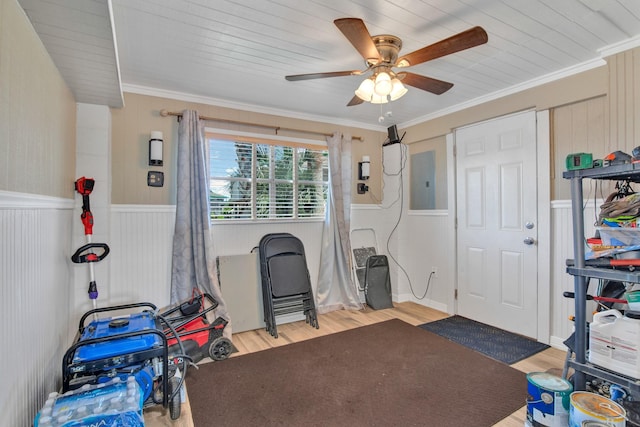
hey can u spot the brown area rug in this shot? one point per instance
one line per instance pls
(386, 374)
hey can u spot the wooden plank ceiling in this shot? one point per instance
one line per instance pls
(237, 52)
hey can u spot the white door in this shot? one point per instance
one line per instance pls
(497, 223)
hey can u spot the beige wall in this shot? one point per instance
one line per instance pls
(132, 125)
(600, 125)
(624, 101)
(588, 84)
(37, 113)
(577, 128)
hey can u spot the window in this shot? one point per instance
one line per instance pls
(255, 180)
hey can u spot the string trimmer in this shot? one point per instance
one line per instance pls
(85, 254)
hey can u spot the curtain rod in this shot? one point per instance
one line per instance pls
(165, 113)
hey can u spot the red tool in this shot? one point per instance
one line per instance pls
(84, 186)
(630, 263)
(596, 298)
(85, 254)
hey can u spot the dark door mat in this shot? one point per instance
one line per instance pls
(496, 343)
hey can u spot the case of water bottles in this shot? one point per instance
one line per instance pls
(116, 403)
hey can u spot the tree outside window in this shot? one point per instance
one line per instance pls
(267, 181)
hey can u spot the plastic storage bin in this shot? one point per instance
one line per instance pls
(619, 236)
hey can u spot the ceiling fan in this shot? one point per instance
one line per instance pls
(381, 56)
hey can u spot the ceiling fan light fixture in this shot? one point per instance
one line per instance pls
(398, 90)
(377, 99)
(383, 84)
(365, 90)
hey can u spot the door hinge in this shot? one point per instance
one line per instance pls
(455, 294)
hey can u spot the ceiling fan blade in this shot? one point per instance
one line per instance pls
(464, 40)
(355, 101)
(356, 32)
(310, 76)
(425, 83)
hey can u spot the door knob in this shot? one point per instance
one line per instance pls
(529, 241)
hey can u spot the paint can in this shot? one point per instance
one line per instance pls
(548, 400)
(590, 423)
(586, 406)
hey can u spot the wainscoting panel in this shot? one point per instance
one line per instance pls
(34, 300)
(142, 240)
(425, 243)
(238, 239)
(562, 249)
(140, 258)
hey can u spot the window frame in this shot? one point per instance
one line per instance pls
(271, 140)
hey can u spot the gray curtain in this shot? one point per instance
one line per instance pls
(336, 289)
(193, 258)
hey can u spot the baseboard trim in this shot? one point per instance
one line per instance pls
(424, 302)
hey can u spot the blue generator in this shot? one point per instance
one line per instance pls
(131, 345)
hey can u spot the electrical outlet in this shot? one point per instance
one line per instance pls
(434, 270)
(155, 179)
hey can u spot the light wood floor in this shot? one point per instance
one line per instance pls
(247, 342)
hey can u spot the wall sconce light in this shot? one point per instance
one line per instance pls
(364, 168)
(155, 148)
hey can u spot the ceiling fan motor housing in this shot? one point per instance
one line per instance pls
(388, 47)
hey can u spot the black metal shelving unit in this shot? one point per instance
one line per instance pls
(582, 274)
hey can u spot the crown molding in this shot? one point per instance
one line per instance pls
(188, 97)
(619, 47)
